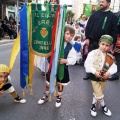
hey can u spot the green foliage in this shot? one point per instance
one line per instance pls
(69, 15)
(98, 6)
(87, 9)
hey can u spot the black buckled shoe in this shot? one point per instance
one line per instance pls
(106, 111)
(87, 76)
(113, 78)
(93, 110)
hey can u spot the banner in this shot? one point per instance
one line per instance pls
(60, 71)
(55, 59)
(87, 9)
(42, 25)
(23, 46)
(15, 51)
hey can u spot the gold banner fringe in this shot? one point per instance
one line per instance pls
(55, 92)
(50, 98)
(31, 91)
(23, 92)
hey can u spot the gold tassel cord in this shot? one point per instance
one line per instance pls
(50, 98)
(31, 91)
(23, 92)
(55, 92)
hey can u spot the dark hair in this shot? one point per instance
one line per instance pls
(70, 28)
(76, 37)
(108, 0)
(56, 1)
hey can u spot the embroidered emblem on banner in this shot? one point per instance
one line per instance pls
(44, 32)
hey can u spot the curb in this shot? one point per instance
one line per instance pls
(4, 41)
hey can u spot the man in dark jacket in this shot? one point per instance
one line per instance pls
(100, 23)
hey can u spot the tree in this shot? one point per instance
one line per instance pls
(69, 15)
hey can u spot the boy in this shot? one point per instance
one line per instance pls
(100, 64)
(5, 84)
(69, 59)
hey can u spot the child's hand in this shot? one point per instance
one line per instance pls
(63, 61)
(1, 92)
(97, 74)
(106, 75)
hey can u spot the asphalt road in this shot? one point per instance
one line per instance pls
(76, 102)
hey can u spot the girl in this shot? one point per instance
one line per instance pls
(69, 59)
(5, 84)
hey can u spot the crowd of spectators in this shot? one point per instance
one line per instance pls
(8, 27)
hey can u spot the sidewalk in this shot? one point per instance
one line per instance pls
(6, 40)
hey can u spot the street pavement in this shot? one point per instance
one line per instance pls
(76, 101)
(6, 40)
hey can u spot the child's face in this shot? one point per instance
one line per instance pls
(3, 77)
(104, 47)
(76, 26)
(68, 36)
(53, 2)
(78, 40)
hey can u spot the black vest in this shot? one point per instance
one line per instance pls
(66, 51)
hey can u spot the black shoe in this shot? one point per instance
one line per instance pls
(93, 110)
(113, 78)
(87, 77)
(106, 111)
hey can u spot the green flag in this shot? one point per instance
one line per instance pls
(87, 9)
(61, 50)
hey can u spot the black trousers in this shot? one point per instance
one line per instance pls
(117, 57)
(92, 46)
(6, 86)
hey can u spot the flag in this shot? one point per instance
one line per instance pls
(60, 71)
(87, 9)
(15, 51)
(24, 46)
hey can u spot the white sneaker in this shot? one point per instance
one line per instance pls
(58, 102)
(106, 111)
(43, 100)
(93, 111)
(20, 100)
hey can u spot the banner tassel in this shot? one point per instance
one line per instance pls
(50, 98)
(31, 91)
(55, 92)
(23, 92)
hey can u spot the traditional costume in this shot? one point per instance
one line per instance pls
(70, 55)
(78, 46)
(7, 86)
(97, 61)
